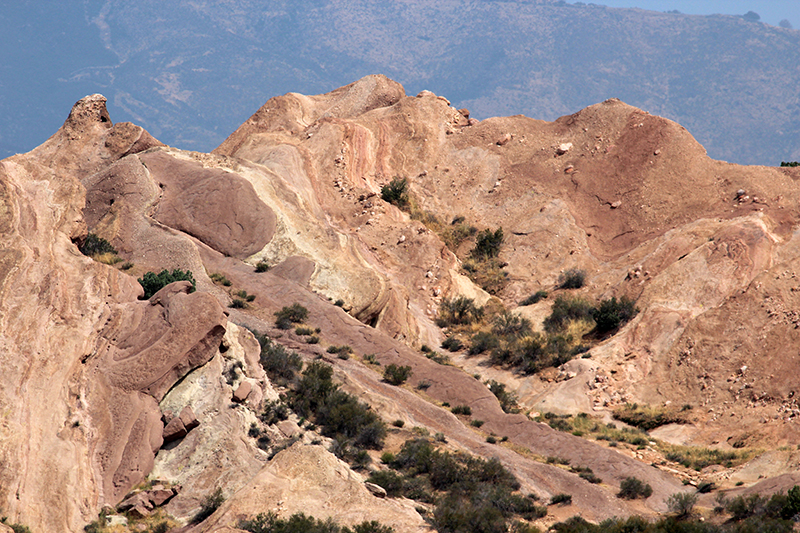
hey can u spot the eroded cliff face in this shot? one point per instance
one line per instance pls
(91, 374)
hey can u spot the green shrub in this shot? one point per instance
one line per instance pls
(93, 245)
(508, 400)
(391, 482)
(396, 375)
(790, 164)
(487, 244)
(564, 499)
(152, 282)
(565, 310)
(682, 504)
(209, 504)
(280, 364)
(452, 344)
(483, 341)
(396, 192)
(343, 349)
(341, 415)
(646, 417)
(461, 410)
(274, 412)
(300, 523)
(303, 330)
(458, 311)
(312, 339)
(398, 423)
(511, 325)
(491, 439)
(339, 303)
(127, 265)
(262, 266)
(632, 488)
(294, 313)
(613, 313)
(237, 303)
(534, 298)
(476, 423)
(574, 278)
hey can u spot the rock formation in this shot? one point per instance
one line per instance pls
(101, 390)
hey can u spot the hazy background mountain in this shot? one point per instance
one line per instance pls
(191, 71)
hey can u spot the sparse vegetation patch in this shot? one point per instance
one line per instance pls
(152, 282)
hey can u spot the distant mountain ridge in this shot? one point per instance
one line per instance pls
(190, 72)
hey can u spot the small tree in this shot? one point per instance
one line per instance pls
(396, 375)
(632, 488)
(682, 504)
(288, 315)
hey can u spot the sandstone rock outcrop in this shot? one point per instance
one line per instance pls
(90, 370)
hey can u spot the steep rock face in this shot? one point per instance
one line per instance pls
(81, 379)
(629, 197)
(610, 189)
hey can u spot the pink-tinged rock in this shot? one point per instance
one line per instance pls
(139, 499)
(159, 497)
(139, 511)
(174, 430)
(243, 391)
(188, 418)
(288, 428)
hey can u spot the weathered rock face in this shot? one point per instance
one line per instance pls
(91, 375)
(311, 480)
(84, 362)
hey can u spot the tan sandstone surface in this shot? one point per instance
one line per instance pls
(92, 375)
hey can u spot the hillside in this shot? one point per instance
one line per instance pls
(109, 397)
(192, 72)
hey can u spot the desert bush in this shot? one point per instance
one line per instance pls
(458, 311)
(209, 504)
(237, 303)
(574, 278)
(461, 410)
(566, 309)
(564, 499)
(452, 344)
(534, 298)
(396, 192)
(790, 164)
(300, 523)
(93, 245)
(280, 364)
(682, 504)
(262, 266)
(632, 488)
(274, 412)
(613, 313)
(343, 349)
(391, 481)
(303, 330)
(646, 417)
(340, 414)
(511, 325)
(152, 282)
(487, 244)
(482, 342)
(396, 375)
(292, 314)
(508, 400)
